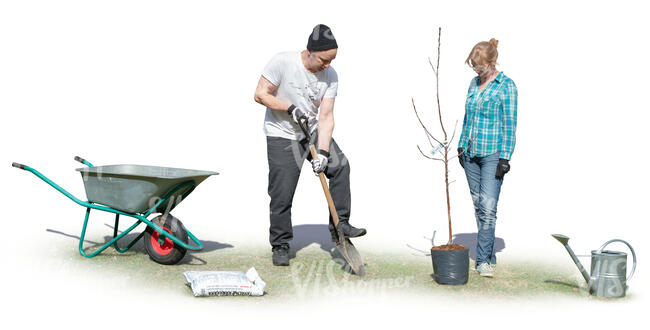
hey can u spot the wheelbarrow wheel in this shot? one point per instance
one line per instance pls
(167, 253)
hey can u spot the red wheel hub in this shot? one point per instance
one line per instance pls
(166, 247)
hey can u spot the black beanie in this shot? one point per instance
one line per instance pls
(321, 38)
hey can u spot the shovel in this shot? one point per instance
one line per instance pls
(343, 244)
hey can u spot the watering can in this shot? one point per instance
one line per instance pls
(608, 269)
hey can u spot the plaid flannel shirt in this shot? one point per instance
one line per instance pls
(490, 118)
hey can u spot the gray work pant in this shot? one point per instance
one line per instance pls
(285, 162)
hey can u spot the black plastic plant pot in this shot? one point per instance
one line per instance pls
(450, 267)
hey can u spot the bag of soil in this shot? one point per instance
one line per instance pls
(219, 283)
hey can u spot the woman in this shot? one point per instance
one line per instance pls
(486, 144)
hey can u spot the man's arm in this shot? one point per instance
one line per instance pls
(325, 123)
(265, 95)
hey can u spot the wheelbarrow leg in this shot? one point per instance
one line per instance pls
(117, 224)
(83, 235)
(115, 230)
(111, 242)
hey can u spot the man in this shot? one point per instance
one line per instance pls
(297, 86)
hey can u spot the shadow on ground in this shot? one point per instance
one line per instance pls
(189, 259)
(305, 235)
(566, 284)
(469, 240)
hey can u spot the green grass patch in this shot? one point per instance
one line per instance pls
(314, 273)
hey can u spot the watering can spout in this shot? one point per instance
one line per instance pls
(565, 241)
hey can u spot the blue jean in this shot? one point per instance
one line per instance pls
(484, 188)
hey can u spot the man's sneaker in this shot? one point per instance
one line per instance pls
(280, 255)
(485, 270)
(350, 231)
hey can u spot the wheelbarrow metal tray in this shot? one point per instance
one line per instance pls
(136, 188)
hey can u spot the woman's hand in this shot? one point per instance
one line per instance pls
(502, 168)
(460, 157)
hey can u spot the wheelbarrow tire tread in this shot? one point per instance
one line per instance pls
(177, 229)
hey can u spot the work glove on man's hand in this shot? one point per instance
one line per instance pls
(319, 165)
(296, 114)
(502, 168)
(460, 157)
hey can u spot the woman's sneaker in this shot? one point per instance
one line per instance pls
(485, 270)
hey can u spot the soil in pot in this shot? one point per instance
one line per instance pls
(450, 264)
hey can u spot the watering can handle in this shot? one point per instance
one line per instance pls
(631, 249)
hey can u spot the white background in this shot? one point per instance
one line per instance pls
(171, 83)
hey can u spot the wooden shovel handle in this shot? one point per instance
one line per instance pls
(326, 189)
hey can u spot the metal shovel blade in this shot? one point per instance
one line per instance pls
(351, 255)
(344, 246)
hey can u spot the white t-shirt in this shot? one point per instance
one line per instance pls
(296, 86)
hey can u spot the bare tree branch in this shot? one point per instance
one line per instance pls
(436, 71)
(454, 133)
(445, 160)
(433, 237)
(442, 125)
(432, 68)
(429, 156)
(429, 139)
(425, 253)
(421, 123)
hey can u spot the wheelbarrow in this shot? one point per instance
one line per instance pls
(138, 191)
